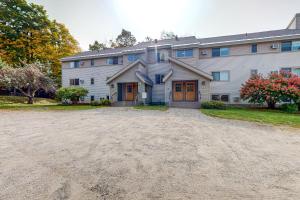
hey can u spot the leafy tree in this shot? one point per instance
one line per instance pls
(2, 64)
(27, 79)
(125, 39)
(148, 39)
(167, 35)
(26, 34)
(72, 94)
(274, 88)
(97, 46)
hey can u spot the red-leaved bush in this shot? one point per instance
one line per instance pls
(274, 88)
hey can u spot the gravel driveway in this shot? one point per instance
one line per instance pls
(122, 153)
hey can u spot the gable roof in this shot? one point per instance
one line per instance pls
(122, 71)
(191, 41)
(168, 75)
(138, 48)
(144, 78)
(191, 68)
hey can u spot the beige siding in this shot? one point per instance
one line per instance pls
(240, 67)
(244, 49)
(100, 74)
(158, 90)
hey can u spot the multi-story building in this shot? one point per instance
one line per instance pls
(185, 70)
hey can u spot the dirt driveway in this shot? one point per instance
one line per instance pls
(122, 153)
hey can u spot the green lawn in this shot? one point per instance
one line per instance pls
(152, 107)
(274, 117)
(40, 104)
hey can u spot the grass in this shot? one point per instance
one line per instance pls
(40, 104)
(152, 107)
(274, 117)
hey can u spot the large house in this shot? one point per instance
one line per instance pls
(185, 70)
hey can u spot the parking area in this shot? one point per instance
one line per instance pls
(123, 153)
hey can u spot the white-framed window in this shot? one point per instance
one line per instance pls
(220, 76)
(74, 81)
(220, 52)
(159, 78)
(133, 57)
(92, 81)
(184, 53)
(220, 97)
(113, 60)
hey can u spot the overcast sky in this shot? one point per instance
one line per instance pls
(102, 20)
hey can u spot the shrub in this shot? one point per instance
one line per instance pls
(213, 105)
(95, 103)
(288, 107)
(102, 102)
(105, 102)
(72, 94)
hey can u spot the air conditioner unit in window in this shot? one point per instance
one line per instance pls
(203, 53)
(274, 46)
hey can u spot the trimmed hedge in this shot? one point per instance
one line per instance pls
(213, 105)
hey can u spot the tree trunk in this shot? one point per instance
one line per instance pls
(30, 100)
(271, 105)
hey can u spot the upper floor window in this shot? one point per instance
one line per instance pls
(159, 78)
(160, 57)
(286, 46)
(254, 48)
(112, 60)
(184, 53)
(290, 46)
(217, 52)
(220, 76)
(76, 64)
(295, 45)
(74, 81)
(92, 81)
(92, 62)
(133, 57)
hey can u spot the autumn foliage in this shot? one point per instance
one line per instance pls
(275, 88)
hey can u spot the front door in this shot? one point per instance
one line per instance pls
(184, 91)
(190, 91)
(178, 93)
(130, 91)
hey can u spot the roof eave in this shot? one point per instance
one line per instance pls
(251, 40)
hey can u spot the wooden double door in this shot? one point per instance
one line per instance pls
(130, 91)
(184, 90)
